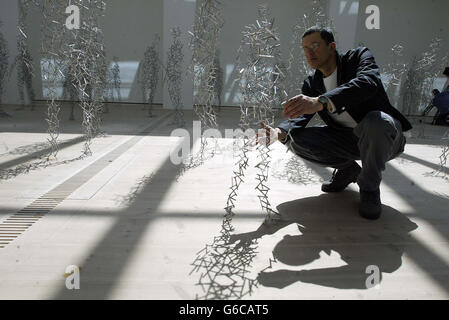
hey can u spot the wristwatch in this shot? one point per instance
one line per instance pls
(325, 102)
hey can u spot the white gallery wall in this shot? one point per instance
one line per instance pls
(129, 27)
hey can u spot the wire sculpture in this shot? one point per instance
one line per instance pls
(115, 75)
(4, 56)
(81, 52)
(444, 155)
(69, 91)
(113, 83)
(173, 73)
(23, 61)
(150, 71)
(217, 81)
(261, 86)
(420, 76)
(317, 15)
(225, 266)
(394, 70)
(89, 69)
(259, 79)
(204, 42)
(108, 93)
(207, 74)
(54, 36)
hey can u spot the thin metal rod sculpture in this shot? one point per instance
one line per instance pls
(113, 83)
(217, 80)
(54, 36)
(149, 77)
(90, 74)
(259, 79)
(69, 91)
(116, 82)
(23, 61)
(444, 155)
(395, 71)
(206, 75)
(4, 56)
(224, 266)
(420, 76)
(173, 73)
(81, 51)
(204, 42)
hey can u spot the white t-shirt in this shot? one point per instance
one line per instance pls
(343, 118)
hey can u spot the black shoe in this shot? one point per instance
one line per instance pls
(370, 205)
(342, 178)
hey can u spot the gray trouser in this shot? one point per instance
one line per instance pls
(375, 140)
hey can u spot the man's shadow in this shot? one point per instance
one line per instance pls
(330, 222)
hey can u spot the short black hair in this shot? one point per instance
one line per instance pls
(435, 92)
(446, 71)
(325, 33)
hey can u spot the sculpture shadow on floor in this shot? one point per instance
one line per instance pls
(330, 222)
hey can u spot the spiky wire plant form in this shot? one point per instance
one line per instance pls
(173, 73)
(90, 71)
(150, 73)
(420, 77)
(116, 81)
(224, 267)
(4, 56)
(204, 43)
(259, 79)
(82, 52)
(394, 70)
(431, 70)
(206, 78)
(24, 61)
(443, 159)
(217, 80)
(54, 36)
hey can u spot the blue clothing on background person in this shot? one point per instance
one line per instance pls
(441, 102)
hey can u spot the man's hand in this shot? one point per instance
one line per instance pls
(300, 105)
(268, 135)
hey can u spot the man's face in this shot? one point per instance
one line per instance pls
(317, 52)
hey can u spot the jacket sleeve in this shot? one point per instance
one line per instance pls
(362, 87)
(301, 122)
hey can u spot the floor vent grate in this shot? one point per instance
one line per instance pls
(16, 224)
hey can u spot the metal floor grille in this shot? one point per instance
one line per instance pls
(15, 225)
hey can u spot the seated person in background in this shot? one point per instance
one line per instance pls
(441, 102)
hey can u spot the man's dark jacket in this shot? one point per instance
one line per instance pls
(359, 91)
